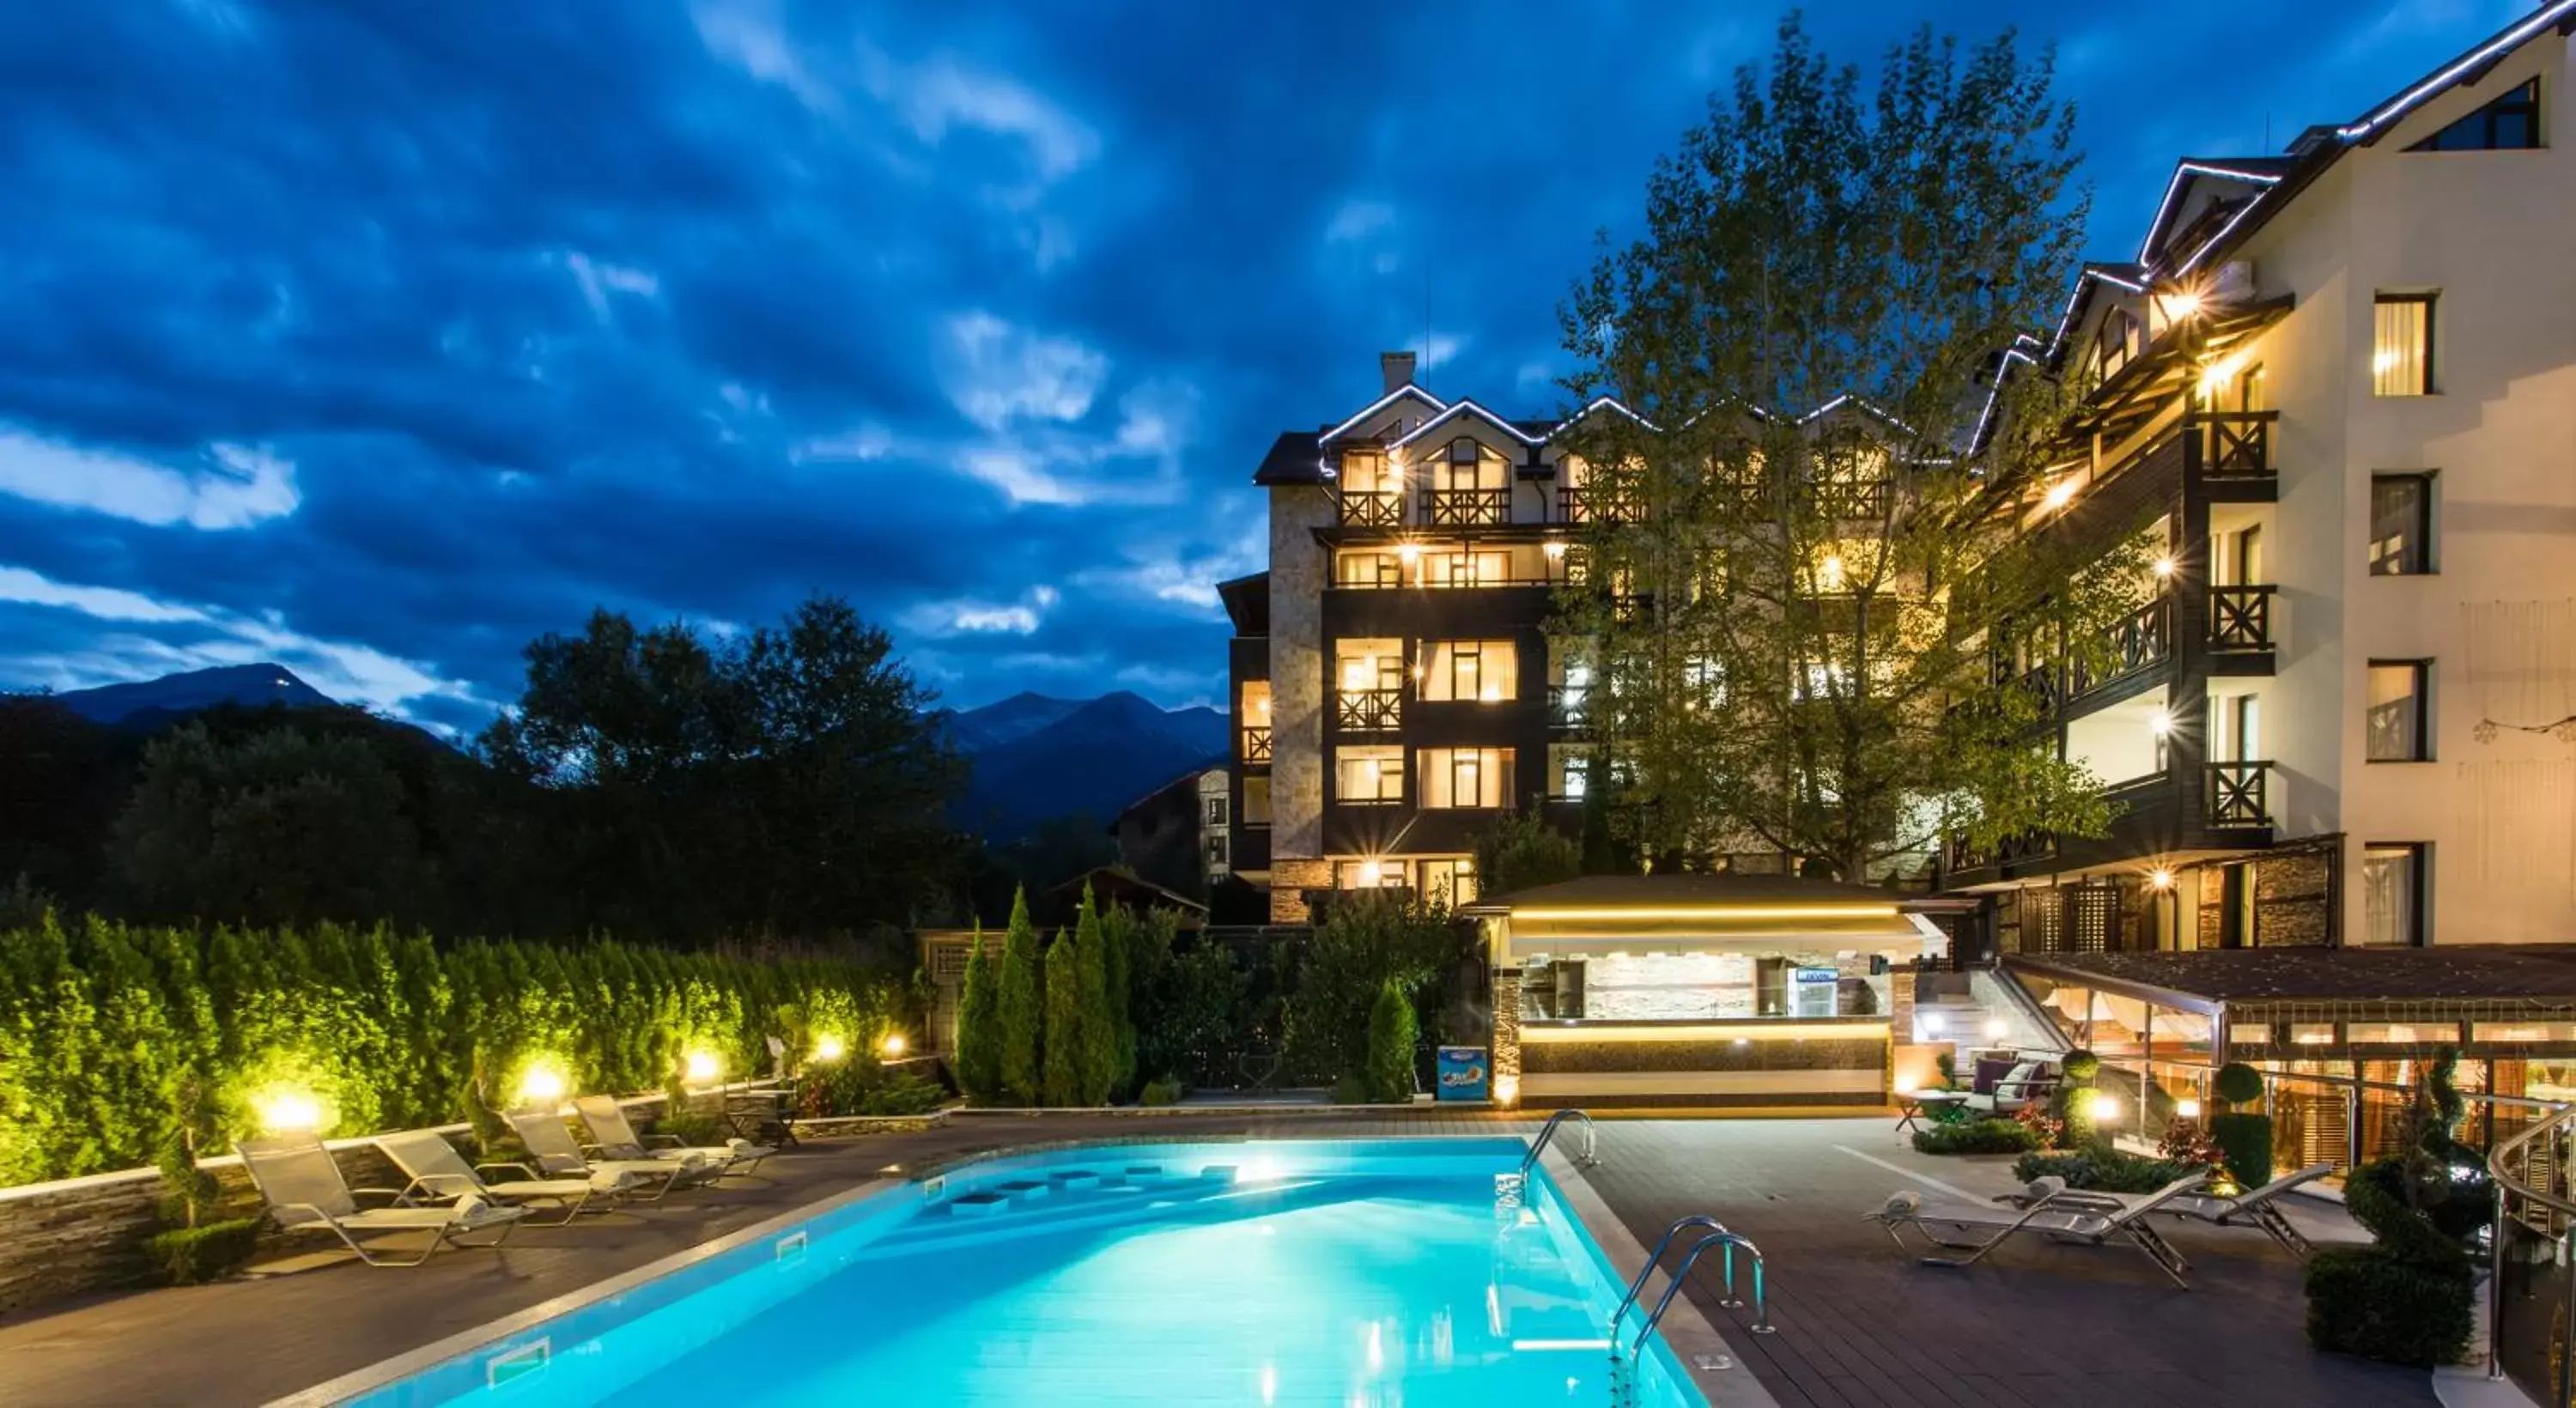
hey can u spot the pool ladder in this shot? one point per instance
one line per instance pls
(1509, 1187)
(1623, 1359)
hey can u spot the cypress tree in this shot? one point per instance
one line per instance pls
(1022, 1008)
(1067, 1065)
(1390, 1046)
(979, 1030)
(1097, 1066)
(1118, 961)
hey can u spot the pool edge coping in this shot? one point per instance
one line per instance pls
(374, 1376)
(1685, 1327)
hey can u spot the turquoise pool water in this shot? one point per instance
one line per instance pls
(1351, 1274)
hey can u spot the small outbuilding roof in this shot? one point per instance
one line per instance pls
(1677, 888)
(2540, 974)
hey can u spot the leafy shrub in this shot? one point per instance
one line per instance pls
(861, 1085)
(1981, 1137)
(2187, 1142)
(1368, 940)
(2081, 1067)
(187, 1255)
(2245, 1141)
(2101, 1170)
(2046, 1130)
(2382, 1304)
(1162, 1092)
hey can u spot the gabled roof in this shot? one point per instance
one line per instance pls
(1466, 409)
(2259, 172)
(1599, 403)
(1404, 392)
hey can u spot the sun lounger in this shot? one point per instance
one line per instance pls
(558, 1155)
(303, 1187)
(1978, 1228)
(617, 1140)
(438, 1171)
(2256, 1207)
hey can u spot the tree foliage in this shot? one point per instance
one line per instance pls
(1065, 1064)
(1367, 942)
(123, 1046)
(979, 1031)
(1521, 851)
(1799, 573)
(1022, 1007)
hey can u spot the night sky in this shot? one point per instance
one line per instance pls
(379, 338)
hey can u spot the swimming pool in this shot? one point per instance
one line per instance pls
(1268, 1272)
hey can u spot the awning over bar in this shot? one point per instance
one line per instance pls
(1703, 914)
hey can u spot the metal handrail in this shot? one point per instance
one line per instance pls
(1761, 1304)
(1591, 1139)
(2509, 1187)
(1654, 1259)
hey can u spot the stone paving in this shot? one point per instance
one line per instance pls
(1860, 1323)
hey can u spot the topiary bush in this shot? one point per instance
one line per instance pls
(2380, 1304)
(1980, 1137)
(2074, 1100)
(2245, 1142)
(187, 1255)
(1391, 1036)
(2237, 1084)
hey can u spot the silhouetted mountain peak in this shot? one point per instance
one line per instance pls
(170, 696)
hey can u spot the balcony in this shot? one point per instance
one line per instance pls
(1958, 855)
(1567, 705)
(2142, 639)
(1848, 499)
(1368, 710)
(1372, 510)
(2233, 445)
(1466, 508)
(1596, 506)
(1256, 743)
(2236, 794)
(2240, 619)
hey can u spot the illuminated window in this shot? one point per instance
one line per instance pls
(2394, 730)
(2401, 351)
(1256, 799)
(1369, 874)
(2312, 1034)
(1368, 568)
(1569, 771)
(2392, 895)
(1485, 671)
(1466, 777)
(2249, 1033)
(1373, 776)
(2525, 1032)
(2510, 122)
(1449, 880)
(2401, 1033)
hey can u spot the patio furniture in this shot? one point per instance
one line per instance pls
(302, 1185)
(435, 1168)
(617, 1140)
(2054, 1213)
(2257, 1207)
(558, 1155)
(2001, 1093)
(1913, 1103)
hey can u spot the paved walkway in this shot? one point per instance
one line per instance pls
(1860, 1323)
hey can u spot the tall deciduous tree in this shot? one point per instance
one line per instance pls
(1023, 1014)
(1804, 558)
(979, 1028)
(784, 781)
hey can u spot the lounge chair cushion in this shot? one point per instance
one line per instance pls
(555, 1187)
(1990, 1072)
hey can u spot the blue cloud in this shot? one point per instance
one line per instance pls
(382, 337)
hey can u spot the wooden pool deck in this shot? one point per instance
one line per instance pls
(1859, 1323)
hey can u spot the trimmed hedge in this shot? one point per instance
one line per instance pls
(188, 1255)
(2101, 1170)
(2383, 1304)
(124, 1046)
(1980, 1137)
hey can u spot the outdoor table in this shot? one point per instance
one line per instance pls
(1910, 1104)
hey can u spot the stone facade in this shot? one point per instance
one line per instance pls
(1299, 569)
(1289, 881)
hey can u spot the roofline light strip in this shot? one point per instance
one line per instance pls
(1461, 405)
(2547, 15)
(1381, 403)
(2173, 188)
(1705, 911)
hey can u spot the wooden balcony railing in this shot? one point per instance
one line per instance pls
(1850, 499)
(1256, 743)
(2143, 638)
(1368, 710)
(2240, 617)
(1373, 510)
(2233, 444)
(2237, 794)
(1574, 505)
(1957, 854)
(1466, 508)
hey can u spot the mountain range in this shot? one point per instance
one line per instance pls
(1035, 757)
(1032, 757)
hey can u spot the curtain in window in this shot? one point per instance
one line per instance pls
(2401, 361)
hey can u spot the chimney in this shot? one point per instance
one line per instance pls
(1396, 368)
